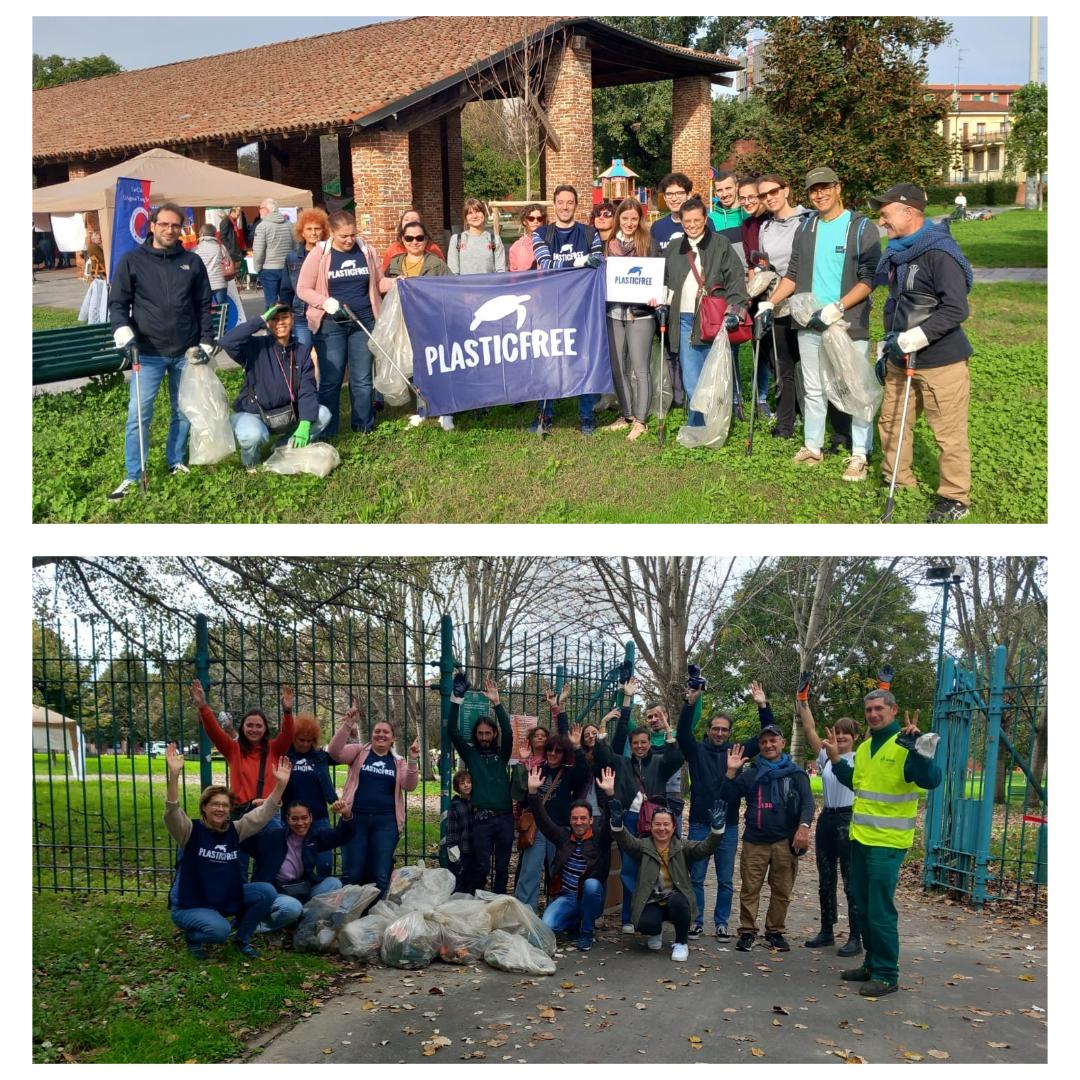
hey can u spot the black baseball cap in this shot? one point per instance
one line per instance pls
(771, 729)
(909, 194)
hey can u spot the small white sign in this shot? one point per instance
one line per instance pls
(634, 281)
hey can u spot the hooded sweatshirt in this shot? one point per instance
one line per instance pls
(776, 236)
(491, 782)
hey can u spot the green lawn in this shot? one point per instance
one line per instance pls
(114, 983)
(51, 318)
(491, 470)
(1017, 238)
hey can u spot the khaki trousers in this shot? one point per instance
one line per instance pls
(758, 863)
(941, 395)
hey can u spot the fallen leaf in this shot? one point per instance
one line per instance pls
(695, 1042)
(566, 985)
(801, 1027)
(328, 1049)
(640, 1005)
(436, 990)
(912, 1056)
(543, 1036)
(730, 1010)
(546, 1012)
(941, 1055)
(999, 1045)
(474, 1054)
(913, 1023)
(757, 1051)
(368, 1006)
(827, 1042)
(1026, 978)
(776, 1023)
(781, 1010)
(856, 1031)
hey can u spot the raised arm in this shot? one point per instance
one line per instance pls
(622, 728)
(412, 767)
(806, 717)
(177, 823)
(281, 742)
(684, 729)
(337, 748)
(266, 811)
(218, 736)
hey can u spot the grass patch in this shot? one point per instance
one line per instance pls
(491, 470)
(114, 983)
(1017, 238)
(51, 318)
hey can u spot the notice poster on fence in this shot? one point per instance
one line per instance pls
(521, 726)
(473, 707)
(634, 281)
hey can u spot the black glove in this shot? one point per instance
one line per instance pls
(763, 322)
(892, 350)
(907, 741)
(885, 677)
(718, 816)
(694, 678)
(879, 368)
(662, 312)
(593, 260)
(615, 812)
(803, 692)
(626, 671)
(461, 684)
(816, 323)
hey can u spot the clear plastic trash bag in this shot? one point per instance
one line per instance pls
(325, 915)
(712, 399)
(318, 459)
(391, 352)
(464, 930)
(420, 887)
(848, 377)
(411, 941)
(205, 403)
(362, 939)
(508, 952)
(510, 914)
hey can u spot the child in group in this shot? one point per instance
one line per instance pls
(459, 833)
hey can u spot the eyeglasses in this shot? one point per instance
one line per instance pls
(675, 193)
(414, 238)
(554, 750)
(748, 198)
(535, 217)
(770, 192)
(168, 225)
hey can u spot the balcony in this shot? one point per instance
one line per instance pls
(983, 138)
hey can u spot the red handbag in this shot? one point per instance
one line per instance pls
(713, 308)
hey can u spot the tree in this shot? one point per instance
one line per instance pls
(58, 678)
(489, 174)
(734, 118)
(849, 92)
(1026, 144)
(56, 70)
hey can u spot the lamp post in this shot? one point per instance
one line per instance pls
(942, 573)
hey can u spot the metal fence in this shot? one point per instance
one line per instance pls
(986, 825)
(111, 699)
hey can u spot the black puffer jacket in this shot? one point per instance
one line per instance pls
(164, 296)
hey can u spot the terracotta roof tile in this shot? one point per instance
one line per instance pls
(305, 85)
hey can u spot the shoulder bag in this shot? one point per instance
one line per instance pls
(713, 305)
(284, 418)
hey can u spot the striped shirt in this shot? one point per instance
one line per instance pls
(573, 870)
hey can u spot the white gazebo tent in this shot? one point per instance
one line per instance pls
(55, 733)
(173, 178)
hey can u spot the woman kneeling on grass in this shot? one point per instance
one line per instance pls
(209, 892)
(663, 892)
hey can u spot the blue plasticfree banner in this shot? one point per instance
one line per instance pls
(131, 218)
(494, 339)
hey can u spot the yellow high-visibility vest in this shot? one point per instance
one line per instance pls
(883, 814)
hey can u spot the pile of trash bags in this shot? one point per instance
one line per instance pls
(422, 920)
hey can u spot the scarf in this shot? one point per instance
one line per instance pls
(774, 772)
(620, 246)
(930, 237)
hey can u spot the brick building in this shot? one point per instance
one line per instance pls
(396, 118)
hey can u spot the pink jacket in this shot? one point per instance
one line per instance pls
(313, 288)
(520, 255)
(354, 755)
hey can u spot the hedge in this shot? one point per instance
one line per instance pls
(979, 193)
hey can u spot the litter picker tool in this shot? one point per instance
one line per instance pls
(389, 359)
(909, 371)
(661, 419)
(753, 391)
(135, 368)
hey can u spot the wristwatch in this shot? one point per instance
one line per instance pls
(840, 305)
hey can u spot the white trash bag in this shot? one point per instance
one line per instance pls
(362, 939)
(510, 914)
(390, 342)
(318, 459)
(205, 403)
(712, 399)
(95, 304)
(508, 952)
(411, 941)
(433, 888)
(848, 377)
(464, 930)
(325, 915)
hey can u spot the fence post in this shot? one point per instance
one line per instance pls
(986, 810)
(629, 656)
(446, 686)
(946, 677)
(202, 673)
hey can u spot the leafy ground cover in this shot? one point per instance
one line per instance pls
(491, 470)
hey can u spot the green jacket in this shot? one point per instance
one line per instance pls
(491, 783)
(683, 853)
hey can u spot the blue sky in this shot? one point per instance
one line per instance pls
(995, 47)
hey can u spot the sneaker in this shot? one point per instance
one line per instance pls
(722, 933)
(680, 953)
(416, 420)
(775, 940)
(943, 510)
(585, 943)
(859, 974)
(745, 942)
(856, 468)
(695, 931)
(764, 412)
(627, 927)
(446, 423)
(875, 989)
(246, 949)
(810, 457)
(636, 431)
(820, 940)
(124, 487)
(179, 470)
(620, 425)
(656, 942)
(197, 950)
(588, 427)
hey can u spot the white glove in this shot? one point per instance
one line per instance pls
(765, 305)
(454, 853)
(457, 700)
(123, 336)
(880, 350)
(331, 306)
(925, 745)
(831, 313)
(581, 260)
(912, 340)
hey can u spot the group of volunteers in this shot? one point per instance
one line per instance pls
(324, 282)
(568, 794)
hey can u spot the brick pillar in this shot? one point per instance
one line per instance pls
(426, 167)
(382, 183)
(691, 132)
(568, 91)
(455, 169)
(304, 166)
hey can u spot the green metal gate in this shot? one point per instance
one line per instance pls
(986, 824)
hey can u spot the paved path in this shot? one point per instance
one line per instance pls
(968, 981)
(990, 275)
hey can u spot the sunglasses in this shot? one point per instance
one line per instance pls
(535, 217)
(771, 191)
(413, 238)
(602, 213)
(555, 750)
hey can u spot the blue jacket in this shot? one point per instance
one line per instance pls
(268, 848)
(259, 357)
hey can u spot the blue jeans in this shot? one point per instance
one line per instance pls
(369, 856)
(275, 283)
(566, 913)
(764, 374)
(302, 333)
(252, 434)
(208, 926)
(153, 371)
(628, 872)
(586, 404)
(691, 360)
(531, 864)
(340, 344)
(288, 909)
(724, 861)
(815, 403)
